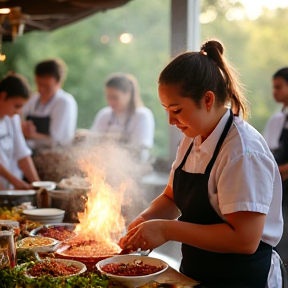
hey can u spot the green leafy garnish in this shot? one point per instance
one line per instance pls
(15, 278)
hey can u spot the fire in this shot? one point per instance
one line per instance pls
(102, 220)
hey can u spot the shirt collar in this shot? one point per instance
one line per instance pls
(208, 146)
(285, 110)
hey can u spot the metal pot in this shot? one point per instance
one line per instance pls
(11, 198)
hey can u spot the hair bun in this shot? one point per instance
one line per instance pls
(212, 45)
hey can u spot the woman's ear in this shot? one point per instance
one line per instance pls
(208, 100)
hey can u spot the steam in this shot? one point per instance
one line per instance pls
(113, 169)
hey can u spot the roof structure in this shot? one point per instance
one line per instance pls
(33, 15)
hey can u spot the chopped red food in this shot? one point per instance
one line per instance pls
(137, 268)
(60, 233)
(52, 268)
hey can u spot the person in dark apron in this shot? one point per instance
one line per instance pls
(276, 133)
(220, 202)
(51, 115)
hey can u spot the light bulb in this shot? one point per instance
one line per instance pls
(2, 57)
(126, 38)
(5, 10)
(104, 39)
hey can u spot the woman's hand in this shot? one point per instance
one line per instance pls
(136, 222)
(20, 184)
(147, 235)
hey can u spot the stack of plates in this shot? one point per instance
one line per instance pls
(45, 215)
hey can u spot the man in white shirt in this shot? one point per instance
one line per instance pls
(51, 116)
(14, 154)
(276, 135)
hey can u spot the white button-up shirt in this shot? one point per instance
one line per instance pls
(244, 177)
(273, 129)
(12, 147)
(62, 110)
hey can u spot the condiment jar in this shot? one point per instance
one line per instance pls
(7, 249)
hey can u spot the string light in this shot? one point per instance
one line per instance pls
(5, 10)
(126, 38)
(104, 39)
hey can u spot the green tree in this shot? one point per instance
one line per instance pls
(90, 61)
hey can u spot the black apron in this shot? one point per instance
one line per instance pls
(210, 268)
(281, 153)
(281, 156)
(42, 124)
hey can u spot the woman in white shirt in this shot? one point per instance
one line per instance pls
(125, 119)
(276, 135)
(223, 199)
(14, 153)
(50, 117)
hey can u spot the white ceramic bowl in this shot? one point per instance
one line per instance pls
(48, 185)
(45, 215)
(133, 281)
(78, 264)
(50, 247)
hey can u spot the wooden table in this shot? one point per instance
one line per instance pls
(174, 277)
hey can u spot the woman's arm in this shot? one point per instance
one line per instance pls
(17, 183)
(283, 169)
(241, 234)
(27, 166)
(163, 207)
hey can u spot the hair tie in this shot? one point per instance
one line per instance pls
(203, 52)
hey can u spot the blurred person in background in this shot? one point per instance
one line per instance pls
(126, 119)
(50, 117)
(15, 160)
(276, 135)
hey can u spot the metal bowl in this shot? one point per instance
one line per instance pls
(11, 198)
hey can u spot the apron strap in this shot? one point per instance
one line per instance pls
(219, 144)
(186, 155)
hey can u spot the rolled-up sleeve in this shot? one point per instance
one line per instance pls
(64, 121)
(246, 184)
(21, 149)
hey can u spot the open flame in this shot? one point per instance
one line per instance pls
(102, 220)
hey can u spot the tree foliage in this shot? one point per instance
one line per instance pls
(256, 48)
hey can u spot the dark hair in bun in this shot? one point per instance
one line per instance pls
(207, 70)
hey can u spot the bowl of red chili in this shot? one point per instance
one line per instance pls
(132, 270)
(56, 268)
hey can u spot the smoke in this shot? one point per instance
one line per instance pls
(118, 165)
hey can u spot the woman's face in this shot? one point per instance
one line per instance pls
(117, 99)
(280, 90)
(47, 86)
(11, 106)
(183, 112)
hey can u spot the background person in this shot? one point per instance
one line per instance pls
(224, 185)
(51, 115)
(276, 135)
(14, 154)
(126, 119)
